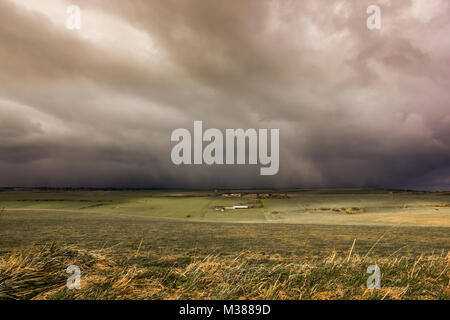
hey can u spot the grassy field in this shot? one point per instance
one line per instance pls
(330, 207)
(175, 244)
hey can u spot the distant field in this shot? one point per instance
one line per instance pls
(157, 231)
(330, 207)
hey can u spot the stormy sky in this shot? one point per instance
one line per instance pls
(96, 107)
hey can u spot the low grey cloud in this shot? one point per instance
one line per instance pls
(95, 107)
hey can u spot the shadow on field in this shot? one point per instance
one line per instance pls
(165, 237)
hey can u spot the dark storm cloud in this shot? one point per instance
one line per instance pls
(96, 107)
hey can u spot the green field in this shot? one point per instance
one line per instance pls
(166, 232)
(330, 207)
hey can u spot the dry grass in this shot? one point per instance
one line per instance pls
(353, 210)
(39, 273)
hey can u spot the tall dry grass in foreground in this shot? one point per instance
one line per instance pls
(39, 273)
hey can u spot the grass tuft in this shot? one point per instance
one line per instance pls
(39, 273)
